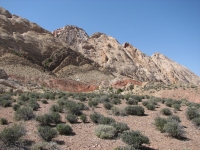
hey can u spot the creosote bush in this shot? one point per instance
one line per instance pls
(134, 138)
(71, 118)
(150, 106)
(170, 125)
(107, 105)
(24, 113)
(166, 111)
(64, 129)
(192, 113)
(174, 129)
(83, 117)
(3, 121)
(56, 108)
(16, 107)
(47, 119)
(160, 123)
(12, 135)
(47, 133)
(118, 111)
(105, 131)
(120, 126)
(93, 103)
(134, 110)
(196, 121)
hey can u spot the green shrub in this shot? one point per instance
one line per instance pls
(12, 135)
(73, 107)
(196, 121)
(132, 101)
(47, 119)
(166, 111)
(55, 117)
(44, 101)
(145, 103)
(56, 108)
(134, 110)
(92, 103)
(176, 106)
(24, 97)
(116, 101)
(24, 113)
(3, 121)
(47, 133)
(95, 117)
(64, 129)
(71, 118)
(83, 117)
(61, 102)
(5, 103)
(120, 127)
(150, 106)
(168, 103)
(105, 131)
(108, 105)
(34, 105)
(106, 120)
(103, 99)
(44, 120)
(118, 112)
(134, 138)
(160, 123)
(173, 129)
(174, 117)
(16, 107)
(192, 113)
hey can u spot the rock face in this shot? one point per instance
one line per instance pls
(72, 35)
(125, 60)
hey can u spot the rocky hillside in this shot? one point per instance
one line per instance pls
(126, 61)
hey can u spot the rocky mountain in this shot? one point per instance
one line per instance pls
(68, 54)
(126, 61)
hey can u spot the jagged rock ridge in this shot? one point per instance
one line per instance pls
(126, 61)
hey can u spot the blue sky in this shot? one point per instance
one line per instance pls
(171, 27)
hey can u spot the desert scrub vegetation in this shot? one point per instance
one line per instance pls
(134, 138)
(47, 133)
(83, 118)
(192, 112)
(74, 107)
(134, 110)
(24, 113)
(5, 100)
(170, 126)
(100, 119)
(166, 111)
(48, 119)
(64, 129)
(56, 108)
(12, 135)
(72, 118)
(105, 131)
(107, 105)
(118, 111)
(3, 121)
(132, 101)
(120, 126)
